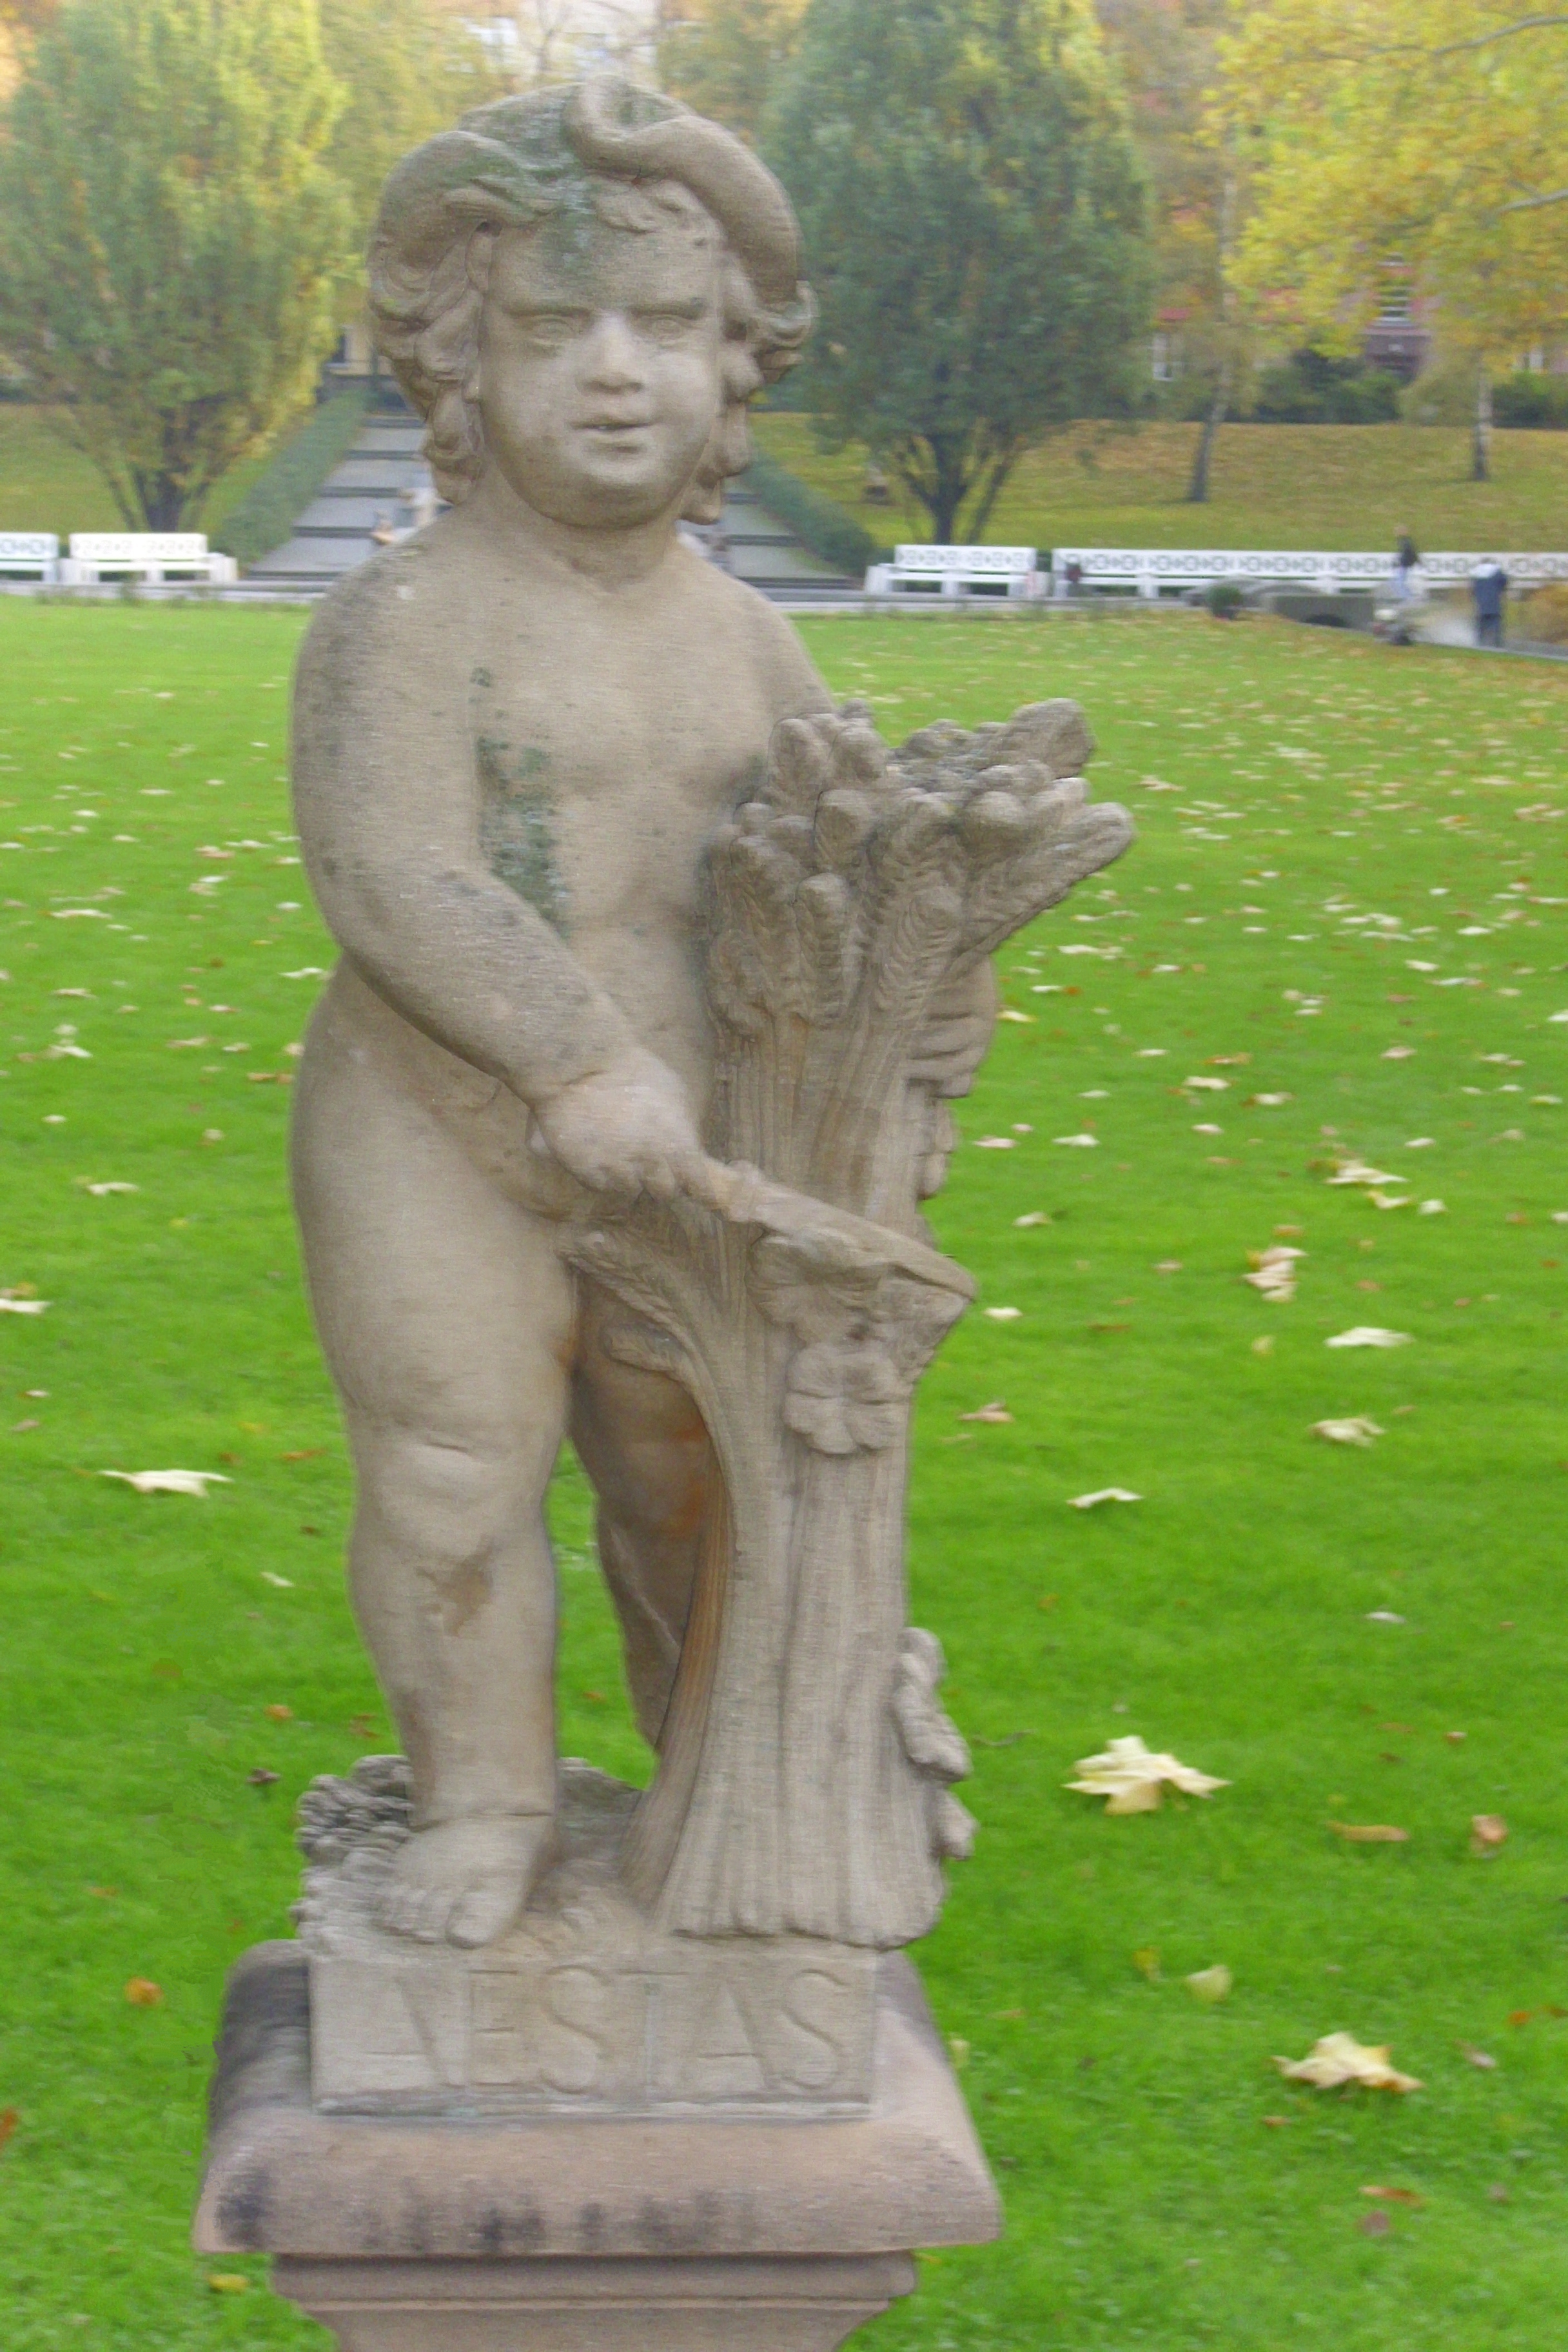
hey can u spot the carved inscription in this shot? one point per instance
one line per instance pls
(720, 2025)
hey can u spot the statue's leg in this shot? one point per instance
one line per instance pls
(447, 1319)
(645, 1446)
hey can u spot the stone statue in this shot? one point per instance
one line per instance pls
(613, 1121)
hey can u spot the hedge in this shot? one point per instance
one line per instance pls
(819, 523)
(266, 514)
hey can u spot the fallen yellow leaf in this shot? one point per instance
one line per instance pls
(1369, 1832)
(1133, 1778)
(143, 1993)
(1210, 1985)
(228, 2282)
(1488, 1832)
(1339, 2058)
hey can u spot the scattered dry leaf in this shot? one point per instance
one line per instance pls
(143, 1993)
(1103, 1494)
(1210, 1985)
(1393, 2195)
(9, 2119)
(1357, 1430)
(170, 1481)
(1474, 2057)
(1374, 2225)
(1036, 1217)
(1079, 1143)
(995, 1143)
(12, 1305)
(1133, 1778)
(1369, 1832)
(1001, 1314)
(994, 1412)
(280, 1714)
(283, 1583)
(227, 2282)
(1368, 1335)
(1488, 1831)
(1146, 1960)
(1339, 2058)
(1274, 1270)
(958, 2050)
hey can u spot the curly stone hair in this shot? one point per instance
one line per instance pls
(601, 148)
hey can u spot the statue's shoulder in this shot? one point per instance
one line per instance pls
(397, 609)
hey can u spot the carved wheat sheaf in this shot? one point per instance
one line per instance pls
(806, 1765)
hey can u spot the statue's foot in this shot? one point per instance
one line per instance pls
(467, 1881)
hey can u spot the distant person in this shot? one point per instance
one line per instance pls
(1407, 563)
(1488, 586)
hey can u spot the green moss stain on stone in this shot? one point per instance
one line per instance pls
(516, 832)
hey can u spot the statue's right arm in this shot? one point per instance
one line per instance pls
(386, 799)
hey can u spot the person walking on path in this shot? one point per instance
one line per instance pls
(1407, 561)
(1488, 586)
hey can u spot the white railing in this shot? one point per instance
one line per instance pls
(918, 567)
(148, 554)
(30, 551)
(1147, 569)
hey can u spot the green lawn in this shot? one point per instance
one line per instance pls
(46, 485)
(1279, 485)
(1165, 2187)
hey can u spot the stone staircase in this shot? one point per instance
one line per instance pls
(369, 484)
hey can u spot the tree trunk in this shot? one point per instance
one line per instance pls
(1481, 431)
(1199, 487)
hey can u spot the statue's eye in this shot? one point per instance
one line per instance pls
(667, 326)
(552, 326)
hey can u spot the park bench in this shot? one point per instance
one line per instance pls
(925, 571)
(33, 553)
(1149, 571)
(152, 555)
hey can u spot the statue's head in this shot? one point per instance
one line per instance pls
(584, 289)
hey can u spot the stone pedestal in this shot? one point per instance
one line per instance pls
(562, 2232)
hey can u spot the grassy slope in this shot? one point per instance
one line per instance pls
(1312, 486)
(1226, 1616)
(45, 485)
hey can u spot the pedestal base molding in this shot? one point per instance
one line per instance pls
(800, 2302)
(562, 2232)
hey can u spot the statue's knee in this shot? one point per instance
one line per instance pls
(452, 1501)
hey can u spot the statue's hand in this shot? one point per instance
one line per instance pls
(952, 1039)
(626, 1128)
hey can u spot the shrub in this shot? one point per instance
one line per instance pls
(818, 522)
(1310, 389)
(1531, 399)
(265, 516)
(1224, 599)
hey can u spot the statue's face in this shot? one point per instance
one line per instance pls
(599, 378)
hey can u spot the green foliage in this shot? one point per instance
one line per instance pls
(1533, 400)
(1310, 388)
(820, 523)
(1224, 599)
(974, 224)
(406, 68)
(170, 232)
(724, 56)
(290, 478)
(1147, 2202)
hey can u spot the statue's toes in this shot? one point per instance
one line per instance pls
(485, 1912)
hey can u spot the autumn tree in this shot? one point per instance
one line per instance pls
(726, 58)
(1409, 145)
(169, 233)
(974, 221)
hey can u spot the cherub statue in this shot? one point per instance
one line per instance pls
(514, 732)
